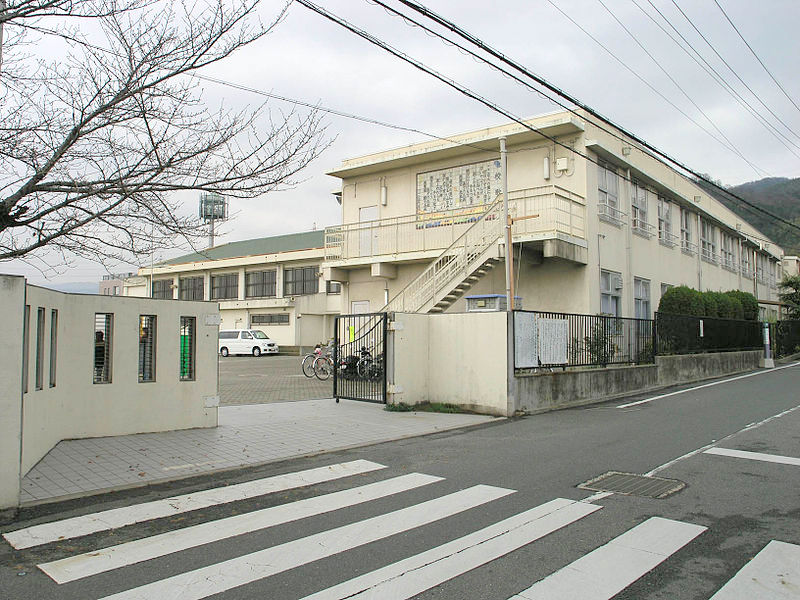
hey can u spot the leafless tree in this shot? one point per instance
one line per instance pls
(95, 144)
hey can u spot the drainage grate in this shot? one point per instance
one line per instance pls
(633, 485)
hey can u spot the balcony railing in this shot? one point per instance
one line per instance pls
(668, 239)
(709, 255)
(559, 212)
(688, 247)
(728, 262)
(611, 214)
(642, 228)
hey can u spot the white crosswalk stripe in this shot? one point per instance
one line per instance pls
(771, 458)
(128, 515)
(248, 568)
(114, 557)
(418, 573)
(773, 574)
(609, 569)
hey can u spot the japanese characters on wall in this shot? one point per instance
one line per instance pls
(460, 187)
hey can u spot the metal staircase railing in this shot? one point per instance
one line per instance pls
(453, 265)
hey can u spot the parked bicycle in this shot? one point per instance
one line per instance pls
(323, 366)
(369, 367)
(307, 364)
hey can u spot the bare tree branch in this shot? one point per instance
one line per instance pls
(95, 146)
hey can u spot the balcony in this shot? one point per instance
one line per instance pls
(642, 228)
(708, 255)
(560, 215)
(668, 239)
(688, 247)
(611, 214)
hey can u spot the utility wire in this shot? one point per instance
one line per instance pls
(732, 70)
(495, 53)
(677, 85)
(736, 29)
(715, 75)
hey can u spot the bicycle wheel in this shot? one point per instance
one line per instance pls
(362, 368)
(322, 368)
(308, 365)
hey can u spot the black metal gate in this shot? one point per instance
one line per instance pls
(359, 357)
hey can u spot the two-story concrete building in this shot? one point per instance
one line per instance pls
(600, 225)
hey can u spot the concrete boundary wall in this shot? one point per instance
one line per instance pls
(71, 406)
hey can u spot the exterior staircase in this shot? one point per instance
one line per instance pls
(457, 269)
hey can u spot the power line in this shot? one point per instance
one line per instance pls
(715, 75)
(470, 94)
(756, 56)
(732, 70)
(684, 92)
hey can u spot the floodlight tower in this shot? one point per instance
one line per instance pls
(213, 207)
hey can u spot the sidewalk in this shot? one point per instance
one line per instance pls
(247, 435)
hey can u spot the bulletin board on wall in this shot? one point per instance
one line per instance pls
(459, 187)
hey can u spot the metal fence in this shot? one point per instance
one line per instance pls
(601, 340)
(686, 334)
(785, 336)
(359, 357)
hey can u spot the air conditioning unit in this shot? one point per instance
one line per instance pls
(616, 281)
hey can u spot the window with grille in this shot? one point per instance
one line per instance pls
(53, 346)
(727, 250)
(225, 287)
(190, 288)
(610, 293)
(103, 332)
(665, 221)
(260, 284)
(333, 287)
(607, 185)
(40, 348)
(147, 348)
(188, 345)
(300, 281)
(162, 288)
(641, 298)
(639, 206)
(270, 319)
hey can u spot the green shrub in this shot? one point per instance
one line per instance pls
(736, 305)
(710, 306)
(748, 302)
(725, 306)
(682, 300)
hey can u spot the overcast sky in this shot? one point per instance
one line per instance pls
(313, 60)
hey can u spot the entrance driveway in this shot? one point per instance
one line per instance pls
(251, 380)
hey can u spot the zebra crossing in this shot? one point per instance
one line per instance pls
(598, 575)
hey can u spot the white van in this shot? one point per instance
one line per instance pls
(245, 341)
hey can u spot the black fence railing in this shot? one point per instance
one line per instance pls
(359, 357)
(686, 334)
(601, 340)
(785, 337)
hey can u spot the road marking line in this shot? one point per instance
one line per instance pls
(713, 383)
(411, 576)
(121, 555)
(127, 515)
(772, 458)
(236, 572)
(611, 568)
(722, 440)
(773, 573)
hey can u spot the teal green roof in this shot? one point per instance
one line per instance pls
(267, 245)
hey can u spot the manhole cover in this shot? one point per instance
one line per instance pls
(633, 485)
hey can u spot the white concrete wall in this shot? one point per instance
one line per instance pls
(453, 358)
(12, 305)
(78, 408)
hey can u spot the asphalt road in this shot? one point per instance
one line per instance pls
(743, 505)
(268, 378)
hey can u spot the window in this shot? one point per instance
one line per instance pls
(162, 288)
(665, 287)
(333, 287)
(225, 287)
(147, 348)
(607, 185)
(103, 331)
(610, 293)
(708, 244)
(188, 344)
(686, 231)
(665, 234)
(246, 335)
(190, 288)
(747, 261)
(270, 319)
(300, 281)
(228, 335)
(40, 348)
(53, 346)
(726, 249)
(641, 298)
(639, 209)
(26, 345)
(116, 290)
(260, 284)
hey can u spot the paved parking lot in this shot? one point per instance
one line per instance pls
(251, 380)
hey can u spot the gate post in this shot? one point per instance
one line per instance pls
(335, 356)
